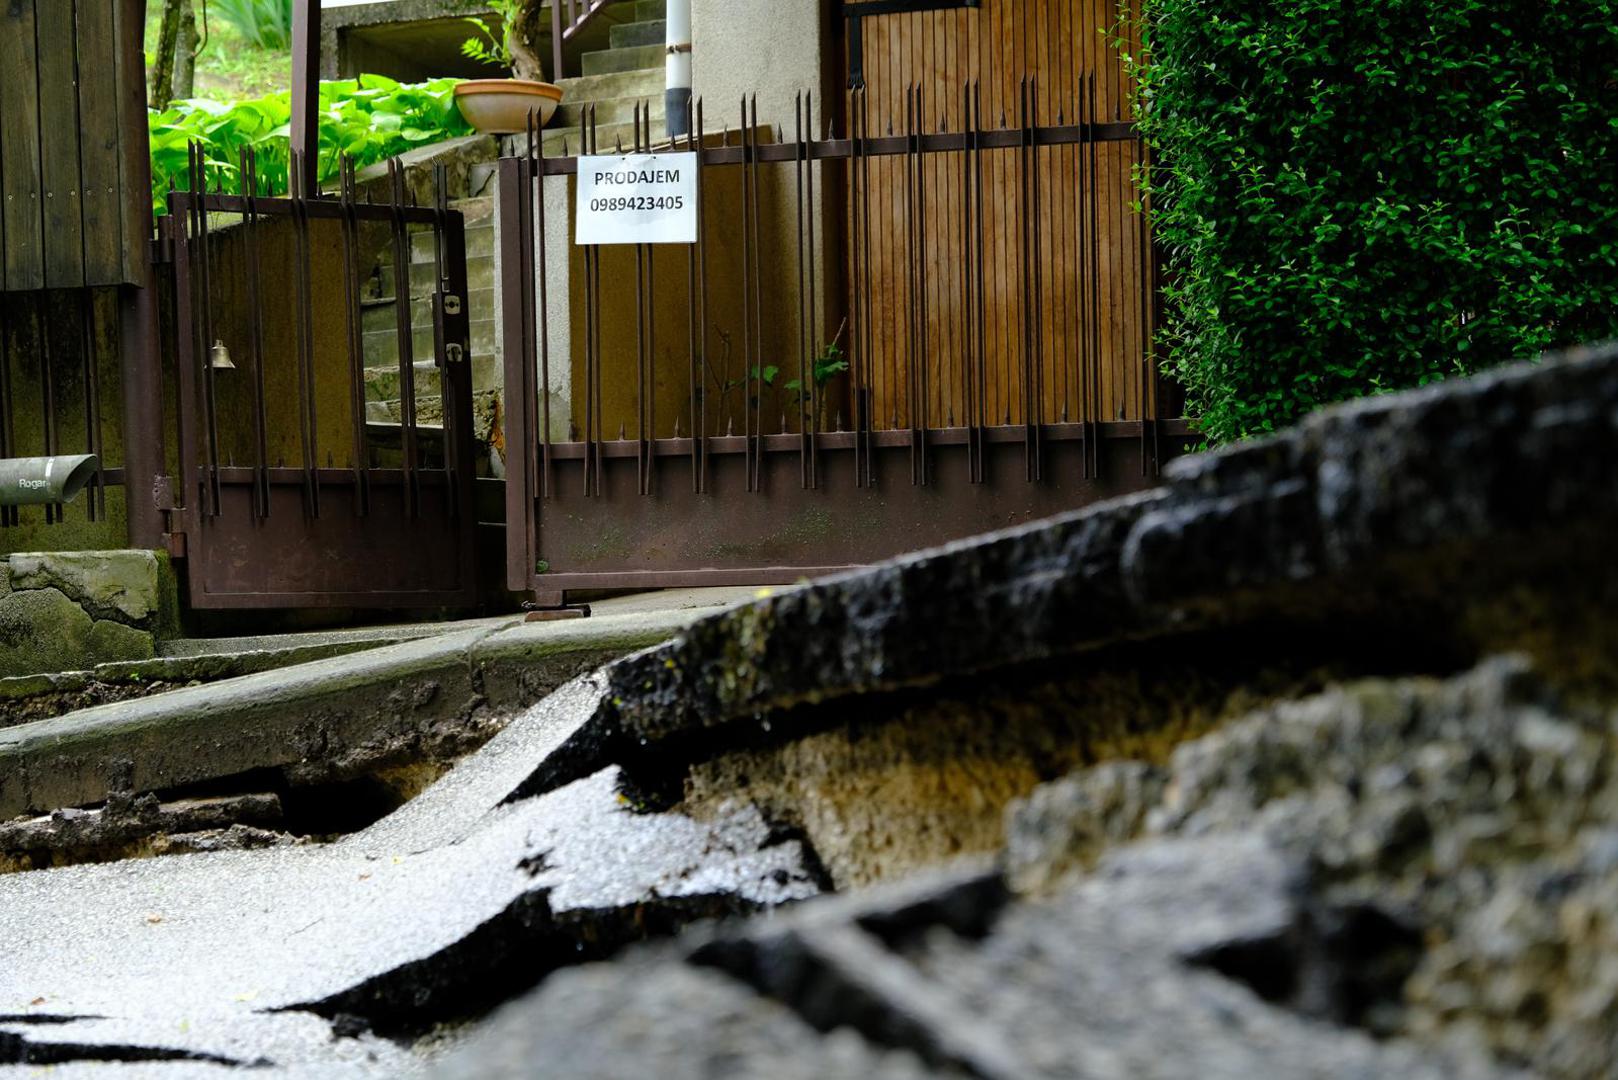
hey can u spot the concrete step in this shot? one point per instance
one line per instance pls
(377, 316)
(608, 137)
(479, 239)
(647, 82)
(635, 34)
(382, 384)
(479, 275)
(429, 413)
(611, 111)
(642, 10)
(381, 347)
(607, 61)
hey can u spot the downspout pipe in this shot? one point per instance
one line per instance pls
(677, 95)
(41, 481)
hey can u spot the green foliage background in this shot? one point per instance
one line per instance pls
(370, 119)
(1357, 197)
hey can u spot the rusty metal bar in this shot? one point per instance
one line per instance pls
(591, 282)
(97, 492)
(556, 40)
(642, 334)
(354, 338)
(701, 428)
(47, 388)
(449, 315)
(804, 330)
(812, 388)
(538, 324)
(516, 291)
(693, 362)
(980, 390)
(1032, 286)
(922, 342)
(404, 339)
(1095, 283)
(750, 360)
(248, 164)
(595, 283)
(864, 464)
(305, 339)
(178, 225)
(305, 153)
(914, 361)
(205, 337)
(758, 302)
(877, 146)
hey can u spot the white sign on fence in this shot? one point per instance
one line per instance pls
(637, 199)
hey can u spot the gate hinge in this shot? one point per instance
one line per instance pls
(161, 251)
(163, 494)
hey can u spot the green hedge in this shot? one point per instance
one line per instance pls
(1364, 196)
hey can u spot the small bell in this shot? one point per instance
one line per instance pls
(219, 357)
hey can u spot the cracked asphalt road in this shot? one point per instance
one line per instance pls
(256, 957)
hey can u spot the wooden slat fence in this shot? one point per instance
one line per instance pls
(71, 217)
(1094, 252)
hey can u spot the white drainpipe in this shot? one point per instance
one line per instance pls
(677, 96)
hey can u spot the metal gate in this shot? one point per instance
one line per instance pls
(293, 489)
(861, 355)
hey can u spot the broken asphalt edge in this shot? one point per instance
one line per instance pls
(1314, 526)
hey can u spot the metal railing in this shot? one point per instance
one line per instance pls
(568, 18)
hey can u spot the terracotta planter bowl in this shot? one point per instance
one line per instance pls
(502, 106)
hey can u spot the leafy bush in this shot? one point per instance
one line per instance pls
(1357, 197)
(266, 23)
(370, 118)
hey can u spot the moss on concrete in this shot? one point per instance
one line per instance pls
(42, 630)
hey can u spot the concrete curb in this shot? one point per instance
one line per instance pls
(329, 719)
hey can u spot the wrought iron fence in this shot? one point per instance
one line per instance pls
(987, 287)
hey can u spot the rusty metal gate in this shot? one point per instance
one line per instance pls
(862, 354)
(293, 488)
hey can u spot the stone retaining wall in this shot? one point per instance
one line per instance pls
(69, 611)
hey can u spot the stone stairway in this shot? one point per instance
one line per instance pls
(615, 80)
(381, 346)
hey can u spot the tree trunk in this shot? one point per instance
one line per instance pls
(185, 51)
(163, 64)
(523, 41)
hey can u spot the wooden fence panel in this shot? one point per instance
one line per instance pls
(19, 148)
(61, 202)
(99, 141)
(1087, 275)
(67, 136)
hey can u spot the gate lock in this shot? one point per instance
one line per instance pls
(38, 481)
(450, 316)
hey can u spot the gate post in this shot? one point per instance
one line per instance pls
(142, 389)
(305, 156)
